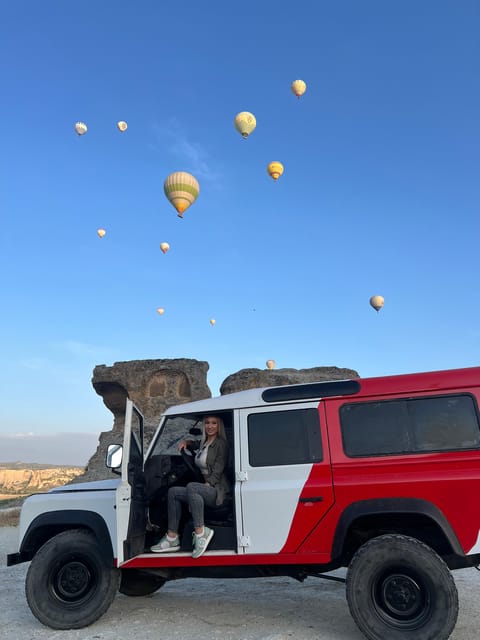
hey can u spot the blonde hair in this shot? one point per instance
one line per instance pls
(221, 427)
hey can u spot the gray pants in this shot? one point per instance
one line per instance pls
(196, 495)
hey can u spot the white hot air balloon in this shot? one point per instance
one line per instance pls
(377, 302)
(270, 364)
(81, 128)
(101, 233)
(160, 311)
(164, 246)
(213, 321)
(122, 125)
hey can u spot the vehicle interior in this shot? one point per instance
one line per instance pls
(166, 467)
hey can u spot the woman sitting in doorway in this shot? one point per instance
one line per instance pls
(210, 458)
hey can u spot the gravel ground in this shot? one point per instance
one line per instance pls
(254, 609)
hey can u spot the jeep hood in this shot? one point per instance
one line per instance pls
(97, 485)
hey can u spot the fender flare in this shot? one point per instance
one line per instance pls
(57, 521)
(397, 506)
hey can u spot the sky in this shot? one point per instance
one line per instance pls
(380, 194)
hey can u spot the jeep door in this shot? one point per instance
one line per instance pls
(131, 497)
(285, 476)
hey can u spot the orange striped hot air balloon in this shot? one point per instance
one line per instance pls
(181, 189)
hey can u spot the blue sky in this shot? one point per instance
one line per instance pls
(380, 193)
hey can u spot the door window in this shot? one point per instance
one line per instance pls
(284, 438)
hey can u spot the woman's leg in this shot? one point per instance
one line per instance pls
(199, 495)
(176, 495)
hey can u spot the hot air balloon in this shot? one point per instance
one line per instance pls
(270, 364)
(80, 128)
(245, 122)
(160, 311)
(275, 169)
(101, 233)
(299, 87)
(212, 321)
(164, 246)
(377, 302)
(122, 125)
(182, 190)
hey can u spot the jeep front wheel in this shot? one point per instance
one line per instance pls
(399, 588)
(69, 583)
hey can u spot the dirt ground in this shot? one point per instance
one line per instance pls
(253, 609)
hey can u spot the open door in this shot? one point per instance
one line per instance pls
(131, 500)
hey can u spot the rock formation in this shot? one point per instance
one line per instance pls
(153, 385)
(253, 378)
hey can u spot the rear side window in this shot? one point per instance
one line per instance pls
(414, 425)
(284, 437)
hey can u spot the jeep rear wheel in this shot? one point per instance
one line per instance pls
(138, 583)
(399, 588)
(69, 583)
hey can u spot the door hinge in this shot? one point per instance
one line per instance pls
(241, 476)
(243, 541)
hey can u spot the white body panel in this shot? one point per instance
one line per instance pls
(81, 498)
(269, 495)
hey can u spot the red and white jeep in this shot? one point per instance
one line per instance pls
(379, 475)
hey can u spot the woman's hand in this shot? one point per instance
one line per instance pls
(183, 444)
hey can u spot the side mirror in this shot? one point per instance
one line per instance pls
(195, 431)
(113, 459)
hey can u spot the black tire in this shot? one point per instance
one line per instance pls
(138, 583)
(399, 588)
(69, 583)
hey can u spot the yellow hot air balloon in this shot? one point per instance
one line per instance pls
(101, 233)
(182, 189)
(212, 321)
(160, 311)
(80, 128)
(164, 246)
(270, 364)
(299, 87)
(377, 302)
(122, 125)
(275, 169)
(245, 122)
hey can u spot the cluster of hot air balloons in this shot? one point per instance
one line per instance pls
(81, 129)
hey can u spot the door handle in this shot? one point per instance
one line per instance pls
(315, 499)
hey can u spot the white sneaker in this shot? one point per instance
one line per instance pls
(166, 546)
(200, 543)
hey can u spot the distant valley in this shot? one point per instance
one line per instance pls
(19, 479)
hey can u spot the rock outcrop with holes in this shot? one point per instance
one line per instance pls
(153, 385)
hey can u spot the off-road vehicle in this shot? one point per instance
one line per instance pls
(380, 476)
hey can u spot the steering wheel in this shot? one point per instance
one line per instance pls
(187, 458)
